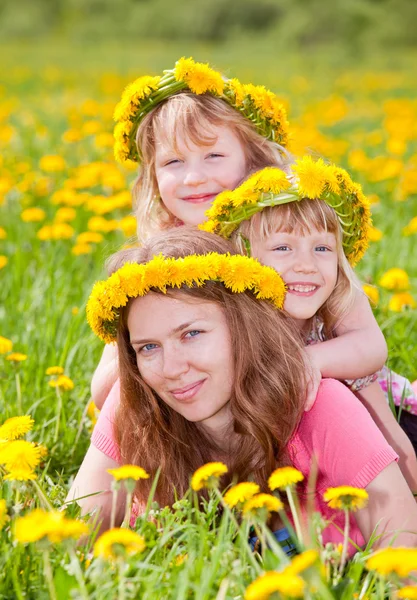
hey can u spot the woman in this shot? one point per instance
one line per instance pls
(208, 372)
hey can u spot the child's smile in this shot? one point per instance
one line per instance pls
(307, 263)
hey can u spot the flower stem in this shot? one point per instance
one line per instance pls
(295, 515)
(121, 587)
(345, 542)
(58, 416)
(128, 510)
(42, 497)
(115, 490)
(18, 393)
(78, 573)
(48, 575)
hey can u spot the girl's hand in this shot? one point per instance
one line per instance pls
(313, 378)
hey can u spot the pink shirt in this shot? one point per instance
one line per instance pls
(338, 431)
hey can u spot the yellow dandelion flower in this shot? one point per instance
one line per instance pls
(3, 513)
(401, 561)
(311, 176)
(16, 357)
(75, 310)
(395, 279)
(409, 229)
(3, 233)
(346, 497)
(271, 582)
(302, 562)
(21, 475)
(271, 180)
(118, 542)
(372, 292)
(199, 77)
(6, 345)
(62, 382)
(33, 215)
(53, 525)
(261, 504)
(15, 427)
(66, 213)
(240, 493)
(81, 249)
(237, 89)
(284, 477)
(52, 163)
(208, 475)
(3, 261)
(89, 237)
(400, 301)
(374, 234)
(62, 231)
(128, 472)
(409, 592)
(19, 454)
(133, 94)
(54, 371)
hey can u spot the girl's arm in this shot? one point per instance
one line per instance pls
(93, 478)
(105, 375)
(391, 508)
(359, 350)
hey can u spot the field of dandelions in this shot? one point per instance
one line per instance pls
(64, 207)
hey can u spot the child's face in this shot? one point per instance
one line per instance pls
(307, 263)
(191, 178)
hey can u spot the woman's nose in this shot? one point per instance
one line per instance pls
(175, 363)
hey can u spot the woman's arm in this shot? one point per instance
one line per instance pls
(93, 478)
(105, 375)
(359, 350)
(391, 509)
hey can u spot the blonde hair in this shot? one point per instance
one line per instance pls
(301, 218)
(193, 116)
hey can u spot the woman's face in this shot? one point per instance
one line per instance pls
(190, 176)
(183, 352)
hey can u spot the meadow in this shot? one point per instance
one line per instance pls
(65, 206)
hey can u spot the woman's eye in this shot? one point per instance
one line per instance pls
(193, 333)
(147, 348)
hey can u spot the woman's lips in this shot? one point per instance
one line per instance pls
(187, 393)
(199, 198)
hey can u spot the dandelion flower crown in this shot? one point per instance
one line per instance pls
(237, 273)
(254, 102)
(310, 179)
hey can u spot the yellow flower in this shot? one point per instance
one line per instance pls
(128, 472)
(64, 214)
(311, 176)
(374, 234)
(75, 310)
(133, 94)
(240, 493)
(52, 163)
(400, 301)
(21, 474)
(53, 525)
(409, 592)
(33, 215)
(54, 371)
(6, 345)
(118, 542)
(16, 357)
(3, 233)
(346, 497)
(19, 454)
(89, 237)
(263, 503)
(3, 513)
(3, 261)
(290, 586)
(302, 562)
(395, 279)
(62, 382)
(199, 77)
(372, 292)
(208, 475)
(401, 561)
(408, 229)
(284, 477)
(15, 427)
(80, 249)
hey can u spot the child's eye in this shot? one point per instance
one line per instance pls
(281, 248)
(173, 161)
(323, 249)
(214, 155)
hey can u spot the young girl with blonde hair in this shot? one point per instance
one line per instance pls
(312, 226)
(212, 370)
(197, 133)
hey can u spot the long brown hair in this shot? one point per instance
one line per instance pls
(193, 116)
(267, 395)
